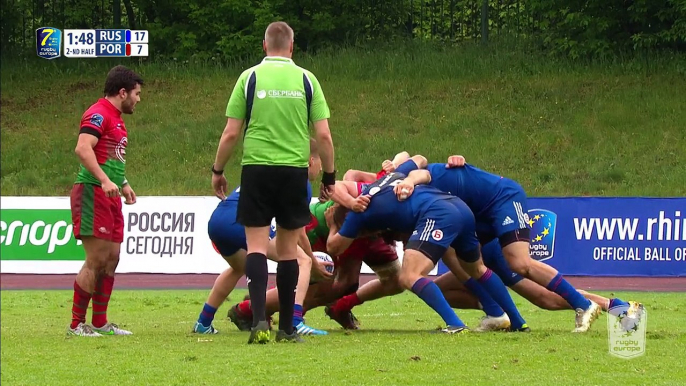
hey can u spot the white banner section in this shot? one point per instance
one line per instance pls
(161, 235)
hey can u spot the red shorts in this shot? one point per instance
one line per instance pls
(379, 252)
(372, 251)
(94, 214)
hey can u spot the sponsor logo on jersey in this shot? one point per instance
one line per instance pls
(96, 120)
(437, 235)
(120, 150)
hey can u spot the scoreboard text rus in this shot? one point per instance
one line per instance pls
(105, 43)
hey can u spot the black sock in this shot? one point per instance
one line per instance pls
(256, 273)
(286, 281)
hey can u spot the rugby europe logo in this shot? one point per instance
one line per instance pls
(543, 224)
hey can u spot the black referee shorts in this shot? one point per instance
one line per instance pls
(273, 192)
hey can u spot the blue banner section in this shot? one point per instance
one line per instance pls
(594, 236)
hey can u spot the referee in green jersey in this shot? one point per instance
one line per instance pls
(276, 100)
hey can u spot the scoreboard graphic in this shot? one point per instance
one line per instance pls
(90, 43)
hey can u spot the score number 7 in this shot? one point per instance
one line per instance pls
(47, 35)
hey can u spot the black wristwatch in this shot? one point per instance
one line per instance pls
(217, 172)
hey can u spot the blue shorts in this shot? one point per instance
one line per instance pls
(495, 260)
(507, 217)
(227, 235)
(443, 224)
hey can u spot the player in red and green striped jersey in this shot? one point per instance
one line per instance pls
(96, 205)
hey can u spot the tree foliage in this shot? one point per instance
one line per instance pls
(231, 29)
(599, 28)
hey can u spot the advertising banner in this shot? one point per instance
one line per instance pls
(578, 236)
(161, 235)
(593, 236)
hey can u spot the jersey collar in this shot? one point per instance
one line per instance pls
(277, 59)
(109, 106)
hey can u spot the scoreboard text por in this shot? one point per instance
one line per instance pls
(91, 43)
(88, 43)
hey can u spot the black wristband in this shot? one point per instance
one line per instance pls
(217, 172)
(329, 178)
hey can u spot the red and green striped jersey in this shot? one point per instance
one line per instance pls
(318, 228)
(103, 120)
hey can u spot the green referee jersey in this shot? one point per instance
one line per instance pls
(277, 100)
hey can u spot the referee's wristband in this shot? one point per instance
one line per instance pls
(329, 178)
(217, 172)
(126, 182)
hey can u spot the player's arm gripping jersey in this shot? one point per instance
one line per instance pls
(103, 120)
(277, 100)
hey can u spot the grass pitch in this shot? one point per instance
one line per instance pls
(558, 128)
(394, 347)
